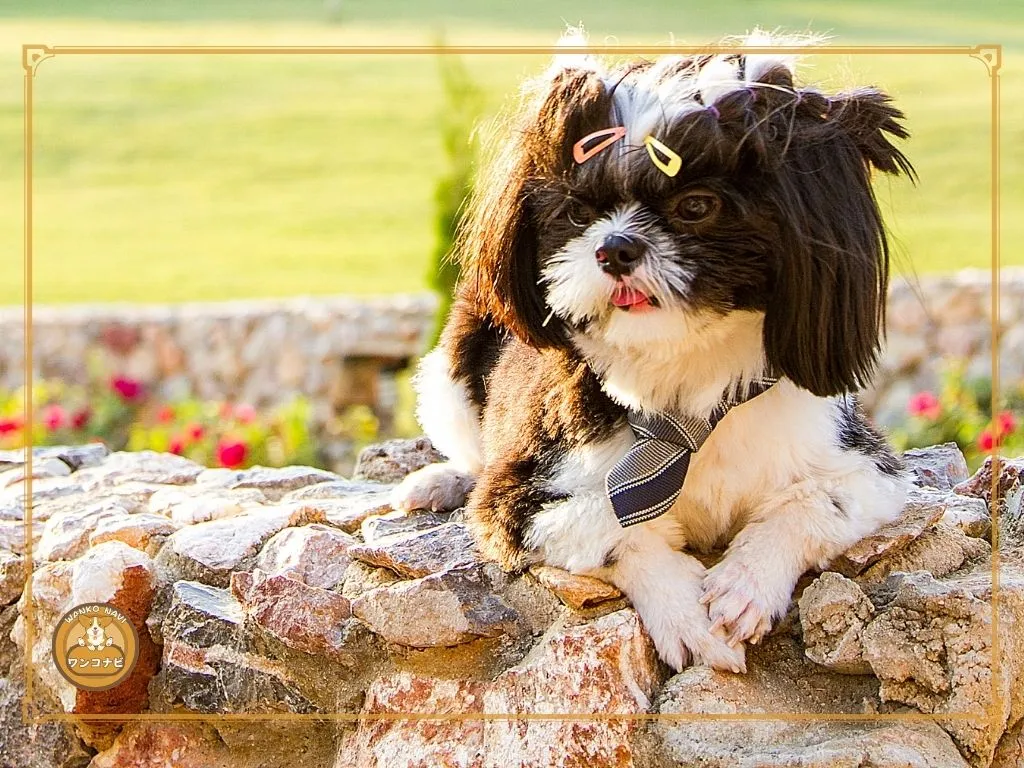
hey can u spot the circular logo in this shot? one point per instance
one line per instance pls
(95, 646)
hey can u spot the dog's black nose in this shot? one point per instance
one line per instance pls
(618, 255)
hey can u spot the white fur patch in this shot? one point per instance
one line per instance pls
(447, 414)
(717, 78)
(573, 37)
(577, 288)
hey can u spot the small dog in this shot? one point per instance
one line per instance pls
(664, 257)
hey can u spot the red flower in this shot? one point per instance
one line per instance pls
(231, 453)
(926, 405)
(54, 417)
(130, 390)
(195, 431)
(177, 445)
(986, 442)
(9, 425)
(80, 418)
(165, 415)
(245, 413)
(1005, 423)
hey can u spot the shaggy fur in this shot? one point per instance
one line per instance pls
(593, 288)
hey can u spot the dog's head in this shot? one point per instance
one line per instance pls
(637, 201)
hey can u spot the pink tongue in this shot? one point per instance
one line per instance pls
(628, 297)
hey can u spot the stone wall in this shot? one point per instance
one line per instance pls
(337, 351)
(296, 591)
(935, 317)
(344, 351)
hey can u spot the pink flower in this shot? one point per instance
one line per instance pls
(231, 453)
(7, 426)
(1005, 423)
(195, 431)
(177, 445)
(245, 413)
(80, 418)
(54, 417)
(926, 405)
(986, 442)
(165, 415)
(130, 390)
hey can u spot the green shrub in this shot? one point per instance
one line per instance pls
(961, 412)
(459, 116)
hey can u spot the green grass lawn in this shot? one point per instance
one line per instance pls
(173, 178)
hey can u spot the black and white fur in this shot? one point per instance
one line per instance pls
(766, 252)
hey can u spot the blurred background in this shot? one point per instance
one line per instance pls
(297, 187)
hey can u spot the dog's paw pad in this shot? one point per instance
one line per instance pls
(436, 487)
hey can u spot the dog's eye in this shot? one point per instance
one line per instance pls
(697, 207)
(578, 213)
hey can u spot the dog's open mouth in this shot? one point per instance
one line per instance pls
(632, 300)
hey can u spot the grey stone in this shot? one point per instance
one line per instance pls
(302, 617)
(969, 514)
(381, 527)
(209, 552)
(980, 483)
(66, 535)
(940, 550)
(938, 466)
(336, 489)
(922, 509)
(140, 466)
(391, 461)
(201, 616)
(833, 614)
(46, 489)
(276, 482)
(780, 681)
(75, 456)
(931, 648)
(315, 554)
(224, 680)
(443, 609)
(361, 578)
(44, 745)
(421, 553)
(12, 576)
(12, 535)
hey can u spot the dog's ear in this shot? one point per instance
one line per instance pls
(826, 315)
(498, 244)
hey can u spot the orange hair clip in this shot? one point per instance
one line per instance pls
(581, 155)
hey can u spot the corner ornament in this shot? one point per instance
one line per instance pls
(989, 55)
(34, 55)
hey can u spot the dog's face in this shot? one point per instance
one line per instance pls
(720, 187)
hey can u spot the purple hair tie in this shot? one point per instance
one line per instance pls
(714, 111)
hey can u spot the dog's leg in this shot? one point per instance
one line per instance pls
(582, 535)
(451, 420)
(804, 527)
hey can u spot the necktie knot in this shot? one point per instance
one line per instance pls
(646, 482)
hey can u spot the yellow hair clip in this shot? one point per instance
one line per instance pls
(673, 162)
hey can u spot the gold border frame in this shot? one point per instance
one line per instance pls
(33, 55)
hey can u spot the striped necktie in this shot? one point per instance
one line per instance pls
(646, 481)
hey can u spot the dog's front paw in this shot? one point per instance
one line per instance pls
(665, 592)
(742, 601)
(437, 487)
(681, 643)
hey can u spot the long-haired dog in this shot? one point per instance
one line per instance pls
(672, 270)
